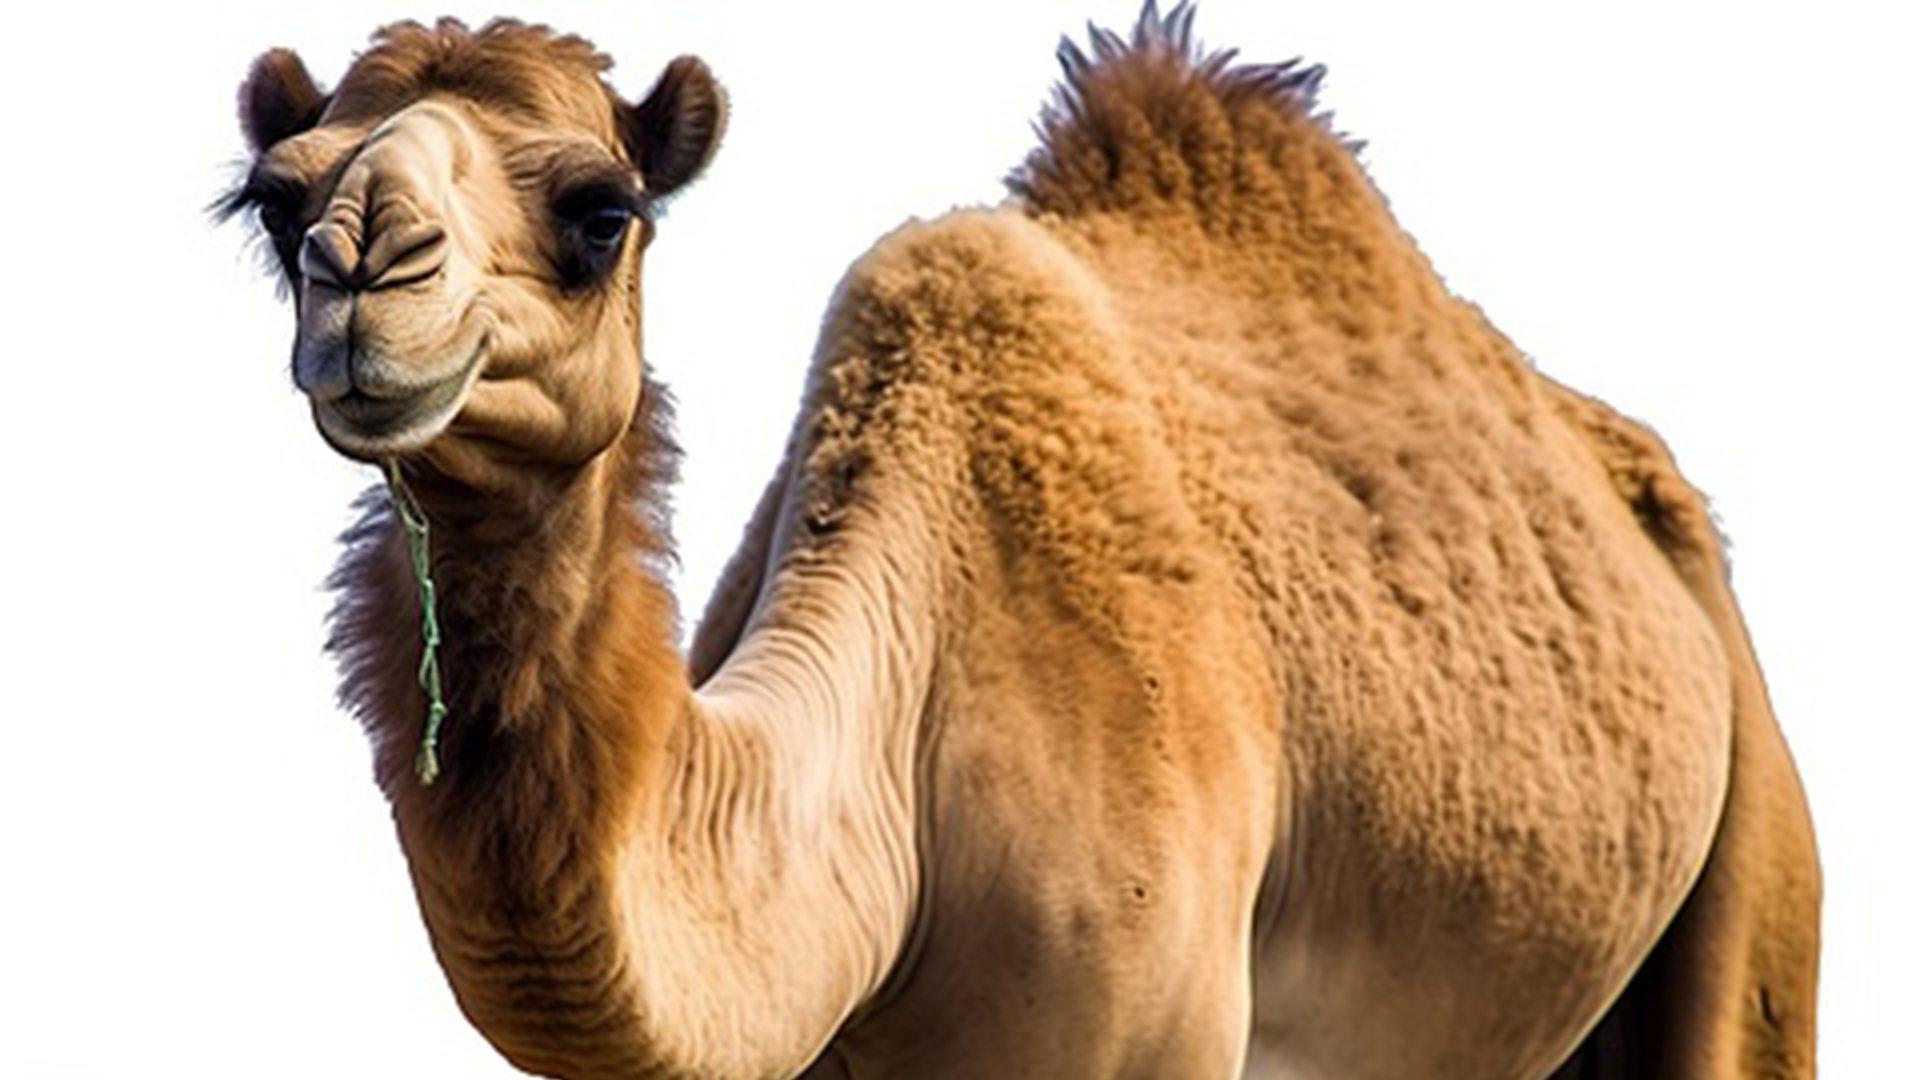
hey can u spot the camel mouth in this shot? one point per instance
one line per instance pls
(363, 426)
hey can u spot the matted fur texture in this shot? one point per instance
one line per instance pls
(1181, 640)
(1154, 115)
(374, 634)
(506, 64)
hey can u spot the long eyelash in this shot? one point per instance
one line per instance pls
(614, 191)
(256, 189)
(270, 265)
(237, 196)
(249, 191)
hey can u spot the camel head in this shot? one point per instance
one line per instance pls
(461, 222)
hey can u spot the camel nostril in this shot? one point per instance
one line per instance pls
(327, 256)
(403, 255)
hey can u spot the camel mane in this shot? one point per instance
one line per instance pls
(375, 641)
(1155, 116)
(518, 67)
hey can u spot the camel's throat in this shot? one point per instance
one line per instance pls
(414, 521)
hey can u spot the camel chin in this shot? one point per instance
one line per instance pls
(372, 428)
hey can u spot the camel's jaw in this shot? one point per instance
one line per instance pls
(369, 428)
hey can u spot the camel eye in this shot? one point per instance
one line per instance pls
(590, 223)
(275, 218)
(604, 227)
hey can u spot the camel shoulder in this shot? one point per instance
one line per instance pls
(981, 325)
(985, 350)
(1671, 511)
(956, 284)
(938, 321)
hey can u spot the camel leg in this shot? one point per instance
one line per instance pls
(1729, 990)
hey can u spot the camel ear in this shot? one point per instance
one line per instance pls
(278, 99)
(673, 133)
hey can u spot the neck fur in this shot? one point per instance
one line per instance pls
(561, 680)
(593, 863)
(542, 591)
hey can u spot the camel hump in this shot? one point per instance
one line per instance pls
(1151, 118)
(1671, 511)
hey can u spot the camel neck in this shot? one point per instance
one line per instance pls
(601, 837)
(563, 682)
(543, 593)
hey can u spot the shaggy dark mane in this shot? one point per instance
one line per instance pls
(1154, 116)
(375, 641)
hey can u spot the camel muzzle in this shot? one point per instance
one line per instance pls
(397, 257)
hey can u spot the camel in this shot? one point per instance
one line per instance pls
(1181, 640)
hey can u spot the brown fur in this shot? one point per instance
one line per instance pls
(540, 754)
(676, 129)
(1183, 640)
(506, 65)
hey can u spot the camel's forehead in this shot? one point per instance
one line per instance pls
(314, 160)
(512, 75)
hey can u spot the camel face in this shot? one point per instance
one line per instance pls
(393, 327)
(461, 223)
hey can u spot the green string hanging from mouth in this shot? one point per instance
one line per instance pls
(414, 520)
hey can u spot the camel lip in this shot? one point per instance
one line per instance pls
(363, 426)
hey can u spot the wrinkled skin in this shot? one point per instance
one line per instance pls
(1182, 639)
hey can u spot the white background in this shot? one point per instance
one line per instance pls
(1704, 214)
